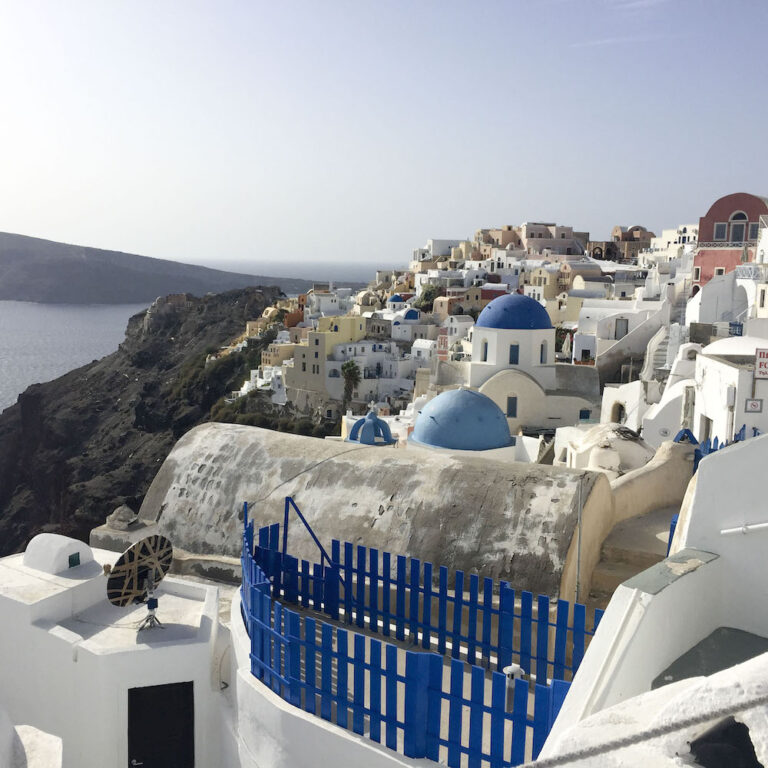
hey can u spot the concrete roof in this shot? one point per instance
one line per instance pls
(470, 512)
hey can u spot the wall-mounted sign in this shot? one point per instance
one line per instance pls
(753, 406)
(761, 363)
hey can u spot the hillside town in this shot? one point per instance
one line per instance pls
(560, 331)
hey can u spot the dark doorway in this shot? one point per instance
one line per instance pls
(161, 726)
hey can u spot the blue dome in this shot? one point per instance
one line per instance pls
(397, 298)
(513, 311)
(463, 420)
(371, 430)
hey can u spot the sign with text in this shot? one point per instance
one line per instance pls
(761, 363)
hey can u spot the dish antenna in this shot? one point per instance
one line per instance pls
(137, 571)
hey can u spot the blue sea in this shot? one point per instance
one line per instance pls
(40, 342)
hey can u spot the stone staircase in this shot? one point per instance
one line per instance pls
(660, 354)
(631, 547)
(677, 315)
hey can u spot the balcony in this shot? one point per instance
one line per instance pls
(727, 244)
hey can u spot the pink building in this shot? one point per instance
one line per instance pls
(727, 235)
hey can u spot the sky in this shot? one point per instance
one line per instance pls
(352, 131)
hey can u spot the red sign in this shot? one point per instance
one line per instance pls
(761, 363)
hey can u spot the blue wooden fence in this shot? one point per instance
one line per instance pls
(481, 621)
(711, 445)
(406, 699)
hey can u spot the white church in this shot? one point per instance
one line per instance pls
(513, 363)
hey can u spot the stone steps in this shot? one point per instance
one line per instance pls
(631, 547)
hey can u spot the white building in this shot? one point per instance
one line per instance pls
(384, 371)
(512, 362)
(681, 649)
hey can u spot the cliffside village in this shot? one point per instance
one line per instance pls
(562, 333)
(562, 566)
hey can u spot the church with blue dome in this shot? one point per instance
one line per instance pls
(514, 311)
(512, 362)
(513, 331)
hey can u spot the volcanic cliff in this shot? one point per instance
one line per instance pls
(73, 449)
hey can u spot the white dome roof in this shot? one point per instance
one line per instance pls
(735, 346)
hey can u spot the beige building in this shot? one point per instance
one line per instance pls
(305, 376)
(548, 281)
(277, 353)
(458, 301)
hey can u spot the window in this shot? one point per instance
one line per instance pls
(697, 273)
(584, 414)
(737, 232)
(514, 354)
(303, 366)
(511, 407)
(484, 352)
(317, 341)
(721, 231)
(316, 354)
(753, 231)
(719, 270)
(762, 298)
(543, 353)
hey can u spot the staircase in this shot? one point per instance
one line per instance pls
(677, 314)
(660, 354)
(631, 547)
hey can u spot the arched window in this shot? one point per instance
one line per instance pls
(738, 226)
(484, 352)
(543, 353)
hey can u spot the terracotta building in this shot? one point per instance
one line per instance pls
(727, 235)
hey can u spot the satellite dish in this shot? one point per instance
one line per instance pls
(136, 573)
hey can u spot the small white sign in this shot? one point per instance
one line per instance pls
(761, 363)
(753, 406)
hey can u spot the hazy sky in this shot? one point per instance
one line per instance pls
(330, 130)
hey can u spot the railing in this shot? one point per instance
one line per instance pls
(398, 696)
(727, 244)
(712, 445)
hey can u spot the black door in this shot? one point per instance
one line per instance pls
(161, 726)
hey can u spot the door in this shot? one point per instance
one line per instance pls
(622, 326)
(161, 726)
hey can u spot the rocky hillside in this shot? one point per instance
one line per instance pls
(32, 269)
(74, 449)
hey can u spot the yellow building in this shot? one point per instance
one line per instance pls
(278, 353)
(305, 379)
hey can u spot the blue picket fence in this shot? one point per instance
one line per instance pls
(711, 445)
(408, 700)
(483, 622)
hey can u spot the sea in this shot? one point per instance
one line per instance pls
(40, 342)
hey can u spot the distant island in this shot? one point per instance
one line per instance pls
(32, 269)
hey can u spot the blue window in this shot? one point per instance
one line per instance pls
(584, 414)
(511, 407)
(514, 354)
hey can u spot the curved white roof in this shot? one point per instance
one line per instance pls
(735, 346)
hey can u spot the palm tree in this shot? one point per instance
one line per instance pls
(351, 373)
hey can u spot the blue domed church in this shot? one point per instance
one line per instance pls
(513, 364)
